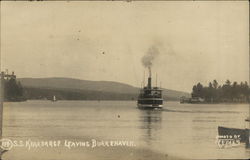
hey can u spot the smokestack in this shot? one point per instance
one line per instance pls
(149, 77)
(147, 61)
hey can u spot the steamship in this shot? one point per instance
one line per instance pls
(150, 97)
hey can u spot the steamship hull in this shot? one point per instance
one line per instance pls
(149, 106)
(150, 103)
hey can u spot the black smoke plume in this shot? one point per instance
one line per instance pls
(149, 57)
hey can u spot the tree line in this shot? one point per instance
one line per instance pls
(228, 92)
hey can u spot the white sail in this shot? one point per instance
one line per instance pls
(54, 98)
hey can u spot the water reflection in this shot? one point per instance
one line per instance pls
(151, 125)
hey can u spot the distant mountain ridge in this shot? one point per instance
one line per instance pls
(113, 89)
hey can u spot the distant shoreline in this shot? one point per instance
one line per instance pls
(165, 102)
(84, 100)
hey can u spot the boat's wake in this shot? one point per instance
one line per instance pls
(199, 111)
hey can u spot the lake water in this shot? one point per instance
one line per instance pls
(185, 131)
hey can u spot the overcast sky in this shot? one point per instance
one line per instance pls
(197, 41)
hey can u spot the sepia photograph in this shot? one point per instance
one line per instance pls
(124, 80)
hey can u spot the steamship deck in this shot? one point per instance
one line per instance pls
(150, 98)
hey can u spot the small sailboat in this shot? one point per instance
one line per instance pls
(54, 99)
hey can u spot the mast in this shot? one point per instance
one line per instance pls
(156, 80)
(143, 79)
